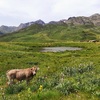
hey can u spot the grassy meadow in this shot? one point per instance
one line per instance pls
(69, 75)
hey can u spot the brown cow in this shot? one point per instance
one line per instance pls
(21, 74)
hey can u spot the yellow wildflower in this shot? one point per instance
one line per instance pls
(40, 88)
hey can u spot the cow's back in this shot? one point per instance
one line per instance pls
(23, 74)
(11, 74)
(20, 75)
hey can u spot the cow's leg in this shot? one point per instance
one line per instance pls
(9, 80)
(12, 81)
(27, 81)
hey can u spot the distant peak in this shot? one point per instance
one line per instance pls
(96, 14)
(39, 22)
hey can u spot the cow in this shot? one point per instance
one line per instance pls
(21, 74)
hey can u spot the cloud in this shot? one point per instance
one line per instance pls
(18, 11)
(67, 8)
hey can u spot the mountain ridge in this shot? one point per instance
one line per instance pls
(73, 29)
(10, 29)
(80, 20)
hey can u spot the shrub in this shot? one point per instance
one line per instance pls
(13, 89)
(66, 88)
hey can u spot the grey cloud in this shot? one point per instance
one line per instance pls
(13, 12)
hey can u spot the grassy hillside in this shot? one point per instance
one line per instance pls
(54, 32)
(69, 75)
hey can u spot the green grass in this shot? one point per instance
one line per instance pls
(69, 75)
(49, 33)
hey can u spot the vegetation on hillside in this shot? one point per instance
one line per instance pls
(54, 32)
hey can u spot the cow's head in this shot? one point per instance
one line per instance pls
(34, 70)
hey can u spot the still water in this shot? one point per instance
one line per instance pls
(59, 49)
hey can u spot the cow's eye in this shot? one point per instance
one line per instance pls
(32, 69)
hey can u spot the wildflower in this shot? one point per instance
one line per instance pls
(1, 88)
(40, 88)
(3, 96)
(48, 67)
(3, 93)
(19, 96)
(29, 90)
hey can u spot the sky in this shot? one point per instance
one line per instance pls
(14, 12)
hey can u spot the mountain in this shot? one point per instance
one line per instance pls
(95, 19)
(25, 25)
(10, 29)
(53, 33)
(7, 29)
(81, 20)
(74, 29)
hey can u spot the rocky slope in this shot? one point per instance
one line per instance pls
(7, 29)
(81, 20)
